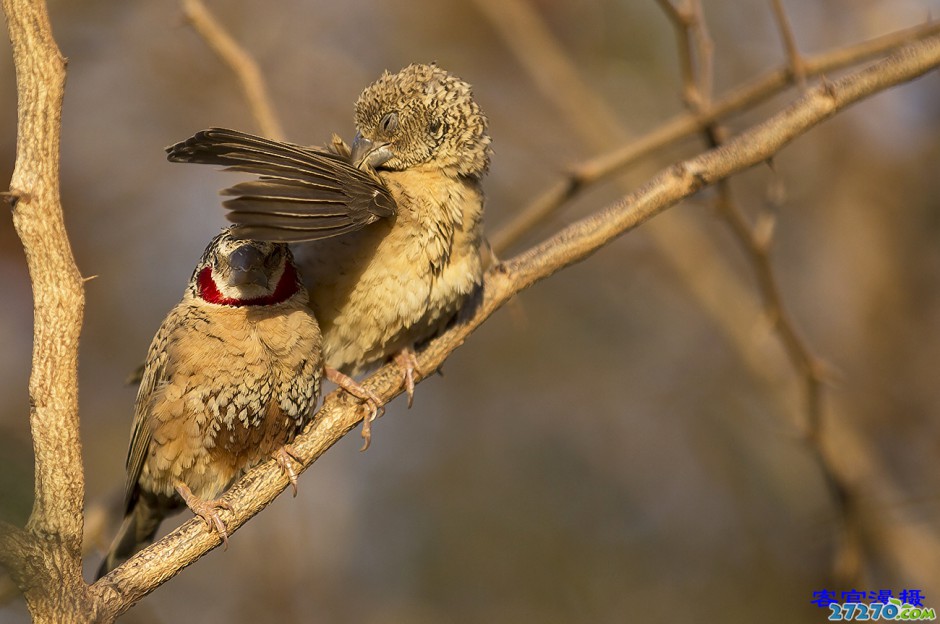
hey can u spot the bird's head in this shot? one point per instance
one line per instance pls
(235, 272)
(421, 115)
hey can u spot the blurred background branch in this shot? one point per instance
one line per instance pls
(756, 242)
(741, 98)
(795, 59)
(695, 55)
(246, 69)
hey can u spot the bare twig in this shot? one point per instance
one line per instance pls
(240, 62)
(706, 53)
(695, 67)
(690, 26)
(796, 64)
(757, 241)
(676, 239)
(681, 18)
(680, 244)
(773, 82)
(154, 565)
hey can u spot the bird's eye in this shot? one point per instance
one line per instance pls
(434, 128)
(390, 123)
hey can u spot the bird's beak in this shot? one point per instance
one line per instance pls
(366, 152)
(247, 265)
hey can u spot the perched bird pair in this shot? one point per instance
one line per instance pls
(406, 198)
(393, 248)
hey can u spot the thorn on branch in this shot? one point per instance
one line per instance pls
(13, 197)
(718, 134)
(828, 88)
(776, 193)
(683, 172)
(818, 369)
(764, 231)
(578, 176)
(700, 180)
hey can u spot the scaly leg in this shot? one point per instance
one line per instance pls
(207, 510)
(373, 402)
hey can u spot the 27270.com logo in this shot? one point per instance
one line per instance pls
(893, 609)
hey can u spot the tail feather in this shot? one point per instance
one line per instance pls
(136, 533)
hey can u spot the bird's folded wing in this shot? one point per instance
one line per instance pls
(154, 375)
(303, 193)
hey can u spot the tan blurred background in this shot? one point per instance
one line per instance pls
(601, 454)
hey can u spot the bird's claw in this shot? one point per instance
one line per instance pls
(285, 456)
(207, 510)
(408, 362)
(371, 400)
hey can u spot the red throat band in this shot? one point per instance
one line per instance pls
(286, 287)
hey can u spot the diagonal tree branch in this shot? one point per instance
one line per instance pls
(609, 162)
(680, 245)
(119, 590)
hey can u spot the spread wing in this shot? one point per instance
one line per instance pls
(303, 193)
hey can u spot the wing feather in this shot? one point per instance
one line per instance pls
(303, 193)
(155, 374)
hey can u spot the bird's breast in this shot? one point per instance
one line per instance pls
(239, 385)
(391, 284)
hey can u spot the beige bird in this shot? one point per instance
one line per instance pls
(231, 377)
(406, 198)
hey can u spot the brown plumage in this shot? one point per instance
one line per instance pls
(231, 376)
(406, 197)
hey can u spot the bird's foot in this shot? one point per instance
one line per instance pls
(285, 458)
(207, 510)
(408, 362)
(369, 398)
